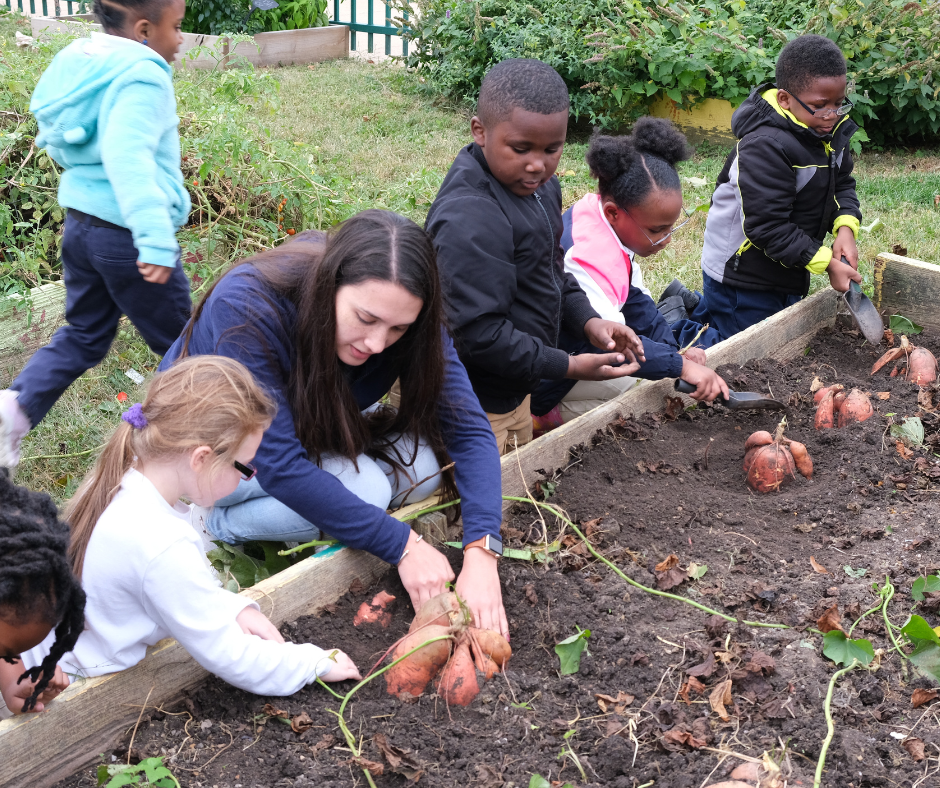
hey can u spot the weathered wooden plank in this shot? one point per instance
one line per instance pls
(909, 287)
(38, 750)
(19, 337)
(781, 336)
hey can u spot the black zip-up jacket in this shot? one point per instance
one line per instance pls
(782, 189)
(505, 289)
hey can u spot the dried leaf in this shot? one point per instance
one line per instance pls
(818, 567)
(674, 408)
(922, 697)
(905, 452)
(679, 736)
(704, 670)
(300, 723)
(915, 748)
(762, 663)
(883, 395)
(925, 399)
(618, 704)
(530, 594)
(670, 561)
(690, 686)
(816, 385)
(721, 697)
(400, 761)
(830, 620)
(327, 741)
(270, 710)
(375, 769)
(889, 337)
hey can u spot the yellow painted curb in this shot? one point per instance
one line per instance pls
(710, 120)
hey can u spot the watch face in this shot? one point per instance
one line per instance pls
(494, 544)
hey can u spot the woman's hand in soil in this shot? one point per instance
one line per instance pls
(155, 274)
(697, 355)
(610, 335)
(254, 622)
(840, 275)
(599, 366)
(708, 384)
(845, 246)
(424, 571)
(478, 586)
(342, 668)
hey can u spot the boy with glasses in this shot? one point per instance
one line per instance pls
(785, 186)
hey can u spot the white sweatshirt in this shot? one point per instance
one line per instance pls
(147, 578)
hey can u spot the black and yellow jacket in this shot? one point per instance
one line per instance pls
(782, 189)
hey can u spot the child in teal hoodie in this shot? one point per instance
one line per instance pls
(107, 115)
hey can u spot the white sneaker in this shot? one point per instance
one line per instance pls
(14, 424)
(198, 518)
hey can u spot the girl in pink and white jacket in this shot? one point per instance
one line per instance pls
(633, 214)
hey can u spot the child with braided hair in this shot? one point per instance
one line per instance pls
(141, 560)
(38, 594)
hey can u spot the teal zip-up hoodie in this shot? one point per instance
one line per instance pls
(107, 115)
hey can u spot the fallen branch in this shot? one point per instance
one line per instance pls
(695, 339)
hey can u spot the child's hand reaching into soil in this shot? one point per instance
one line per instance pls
(708, 384)
(15, 694)
(342, 668)
(254, 622)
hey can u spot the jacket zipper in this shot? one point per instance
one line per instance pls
(551, 248)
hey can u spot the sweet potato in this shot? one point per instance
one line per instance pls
(820, 393)
(759, 438)
(376, 611)
(857, 407)
(443, 609)
(921, 367)
(801, 458)
(484, 664)
(771, 468)
(410, 677)
(458, 684)
(490, 644)
(825, 411)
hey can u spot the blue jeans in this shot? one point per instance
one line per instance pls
(728, 311)
(250, 514)
(102, 282)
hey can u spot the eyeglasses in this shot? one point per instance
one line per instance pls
(246, 469)
(689, 215)
(825, 112)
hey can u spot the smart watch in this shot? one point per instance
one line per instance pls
(492, 544)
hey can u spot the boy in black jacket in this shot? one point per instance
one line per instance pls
(497, 226)
(787, 183)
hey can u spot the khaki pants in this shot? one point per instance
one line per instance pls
(589, 394)
(512, 429)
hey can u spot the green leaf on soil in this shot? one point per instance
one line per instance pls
(570, 649)
(149, 771)
(697, 571)
(903, 325)
(843, 651)
(911, 431)
(926, 658)
(918, 630)
(538, 781)
(856, 573)
(925, 585)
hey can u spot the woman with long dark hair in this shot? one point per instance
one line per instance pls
(327, 323)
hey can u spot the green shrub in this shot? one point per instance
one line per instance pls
(617, 55)
(215, 17)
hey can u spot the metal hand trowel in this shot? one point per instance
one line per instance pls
(863, 310)
(737, 400)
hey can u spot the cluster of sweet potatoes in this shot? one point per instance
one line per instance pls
(835, 408)
(457, 656)
(916, 364)
(770, 461)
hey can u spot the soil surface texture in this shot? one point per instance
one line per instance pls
(667, 695)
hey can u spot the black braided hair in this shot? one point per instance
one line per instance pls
(805, 59)
(520, 82)
(112, 14)
(36, 580)
(629, 167)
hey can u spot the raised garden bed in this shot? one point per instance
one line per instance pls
(277, 48)
(636, 476)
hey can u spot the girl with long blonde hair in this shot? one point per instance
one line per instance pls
(140, 560)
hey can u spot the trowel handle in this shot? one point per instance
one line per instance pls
(853, 285)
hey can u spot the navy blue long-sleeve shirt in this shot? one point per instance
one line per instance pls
(246, 320)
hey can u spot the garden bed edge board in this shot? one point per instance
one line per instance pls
(909, 287)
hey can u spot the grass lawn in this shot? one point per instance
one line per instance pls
(379, 141)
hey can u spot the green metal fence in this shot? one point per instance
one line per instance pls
(46, 7)
(369, 28)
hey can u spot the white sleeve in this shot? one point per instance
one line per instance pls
(179, 591)
(599, 300)
(636, 277)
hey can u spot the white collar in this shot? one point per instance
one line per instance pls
(629, 252)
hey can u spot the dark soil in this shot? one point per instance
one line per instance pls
(645, 489)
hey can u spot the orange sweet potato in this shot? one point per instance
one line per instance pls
(410, 677)
(458, 684)
(771, 468)
(825, 411)
(376, 611)
(857, 407)
(443, 609)
(801, 458)
(820, 393)
(490, 644)
(921, 367)
(759, 438)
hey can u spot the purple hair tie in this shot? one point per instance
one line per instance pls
(134, 416)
